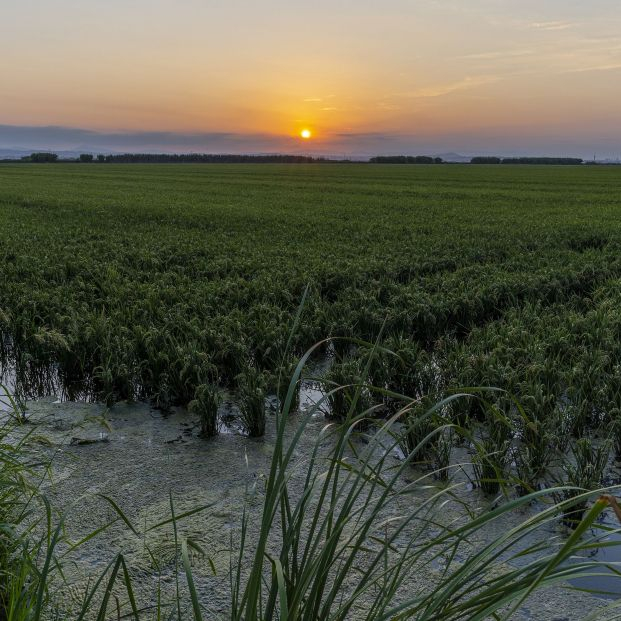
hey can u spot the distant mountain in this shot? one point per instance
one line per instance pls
(12, 154)
(608, 160)
(454, 157)
(15, 154)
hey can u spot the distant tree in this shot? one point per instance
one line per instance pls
(198, 158)
(556, 161)
(43, 157)
(405, 159)
(389, 159)
(485, 160)
(207, 158)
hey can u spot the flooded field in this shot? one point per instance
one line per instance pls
(137, 456)
(194, 290)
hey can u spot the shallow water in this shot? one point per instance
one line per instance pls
(7, 388)
(142, 458)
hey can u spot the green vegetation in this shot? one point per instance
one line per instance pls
(162, 282)
(252, 387)
(205, 406)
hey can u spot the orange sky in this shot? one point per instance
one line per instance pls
(361, 75)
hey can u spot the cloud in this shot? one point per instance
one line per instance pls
(498, 55)
(502, 140)
(609, 67)
(76, 139)
(379, 136)
(551, 25)
(313, 99)
(384, 105)
(445, 89)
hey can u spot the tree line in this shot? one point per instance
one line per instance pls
(198, 158)
(566, 161)
(190, 158)
(405, 159)
(205, 158)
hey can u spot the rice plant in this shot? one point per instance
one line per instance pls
(583, 473)
(489, 465)
(441, 451)
(112, 303)
(491, 456)
(540, 440)
(420, 433)
(252, 392)
(347, 389)
(205, 405)
(283, 385)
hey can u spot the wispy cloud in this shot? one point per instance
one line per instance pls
(379, 136)
(76, 139)
(313, 99)
(385, 105)
(445, 89)
(609, 67)
(498, 54)
(552, 25)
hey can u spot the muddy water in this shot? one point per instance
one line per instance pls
(6, 390)
(141, 459)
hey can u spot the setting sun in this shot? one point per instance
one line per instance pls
(306, 134)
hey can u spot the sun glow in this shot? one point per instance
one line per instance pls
(305, 134)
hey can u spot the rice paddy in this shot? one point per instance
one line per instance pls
(474, 307)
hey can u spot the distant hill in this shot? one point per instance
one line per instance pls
(14, 154)
(454, 157)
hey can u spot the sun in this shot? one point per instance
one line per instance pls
(306, 134)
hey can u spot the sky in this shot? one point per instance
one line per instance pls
(364, 76)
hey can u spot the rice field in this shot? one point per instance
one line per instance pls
(478, 305)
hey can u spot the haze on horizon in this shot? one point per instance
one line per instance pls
(367, 77)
